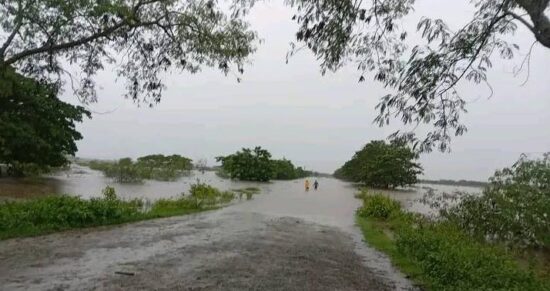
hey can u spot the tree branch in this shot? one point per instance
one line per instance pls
(523, 21)
(19, 23)
(67, 45)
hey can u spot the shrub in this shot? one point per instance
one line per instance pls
(452, 260)
(514, 207)
(62, 212)
(378, 206)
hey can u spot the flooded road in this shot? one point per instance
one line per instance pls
(283, 239)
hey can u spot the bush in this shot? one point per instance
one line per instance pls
(154, 167)
(454, 261)
(62, 212)
(514, 207)
(54, 213)
(378, 206)
(440, 254)
(204, 195)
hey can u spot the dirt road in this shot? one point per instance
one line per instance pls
(284, 239)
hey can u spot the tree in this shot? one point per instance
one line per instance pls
(383, 165)
(285, 170)
(164, 168)
(36, 128)
(147, 37)
(248, 165)
(143, 37)
(423, 80)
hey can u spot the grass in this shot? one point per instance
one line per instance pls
(438, 255)
(58, 213)
(378, 235)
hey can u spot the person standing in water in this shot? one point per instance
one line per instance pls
(306, 184)
(315, 184)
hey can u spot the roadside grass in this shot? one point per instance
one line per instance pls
(59, 213)
(438, 255)
(378, 235)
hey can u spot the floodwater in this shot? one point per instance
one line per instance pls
(283, 239)
(87, 183)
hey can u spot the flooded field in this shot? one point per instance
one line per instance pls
(283, 239)
(85, 182)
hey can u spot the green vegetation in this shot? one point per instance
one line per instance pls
(381, 165)
(153, 35)
(37, 130)
(514, 208)
(153, 167)
(439, 255)
(257, 165)
(285, 170)
(57, 213)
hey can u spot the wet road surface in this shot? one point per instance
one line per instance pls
(283, 239)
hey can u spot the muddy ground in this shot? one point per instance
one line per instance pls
(275, 242)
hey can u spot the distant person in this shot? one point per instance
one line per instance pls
(315, 184)
(307, 185)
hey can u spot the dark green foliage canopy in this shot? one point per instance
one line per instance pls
(285, 170)
(36, 128)
(257, 165)
(382, 165)
(248, 165)
(153, 167)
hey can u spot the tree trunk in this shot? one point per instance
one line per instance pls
(541, 23)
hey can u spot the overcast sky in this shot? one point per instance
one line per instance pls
(317, 121)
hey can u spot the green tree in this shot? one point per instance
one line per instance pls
(37, 130)
(144, 38)
(379, 164)
(248, 165)
(283, 170)
(160, 167)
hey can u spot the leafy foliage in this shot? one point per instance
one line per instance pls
(285, 170)
(62, 212)
(377, 206)
(423, 79)
(144, 38)
(37, 130)
(248, 165)
(55, 213)
(514, 207)
(380, 164)
(257, 165)
(154, 167)
(439, 254)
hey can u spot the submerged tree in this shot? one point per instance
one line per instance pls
(383, 165)
(37, 130)
(248, 165)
